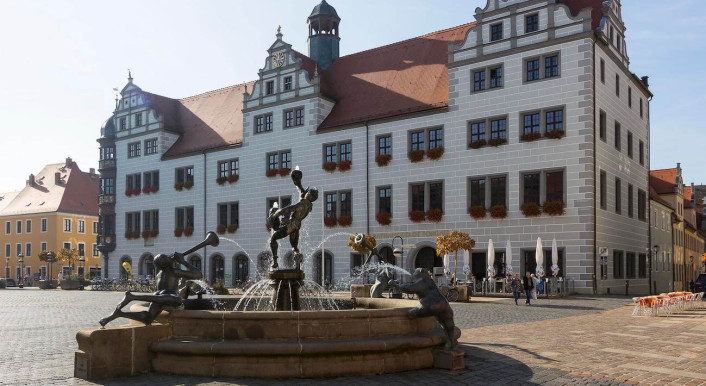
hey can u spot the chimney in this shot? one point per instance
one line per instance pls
(31, 180)
(69, 162)
(92, 171)
(57, 178)
(646, 81)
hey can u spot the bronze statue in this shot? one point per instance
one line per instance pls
(432, 302)
(291, 219)
(167, 282)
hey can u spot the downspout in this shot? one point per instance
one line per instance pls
(203, 266)
(595, 176)
(649, 208)
(367, 179)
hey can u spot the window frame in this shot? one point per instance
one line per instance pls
(263, 123)
(151, 146)
(28, 226)
(535, 23)
(641, 151)
(224, 168)
(388, 147)
(67, 221)
(229, 209)
(495, 33)
(541, 67)
(617, 136)
(427, 204)
(134, 149)
(288, 83)
(603, 190)
(618, 196)
(43, 225)
(81, 226)
(630, 147)
(378, 198)
(482, 81)
(296, 121)
(269, 87)
(280, 159)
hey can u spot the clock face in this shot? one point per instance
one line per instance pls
(278, 59)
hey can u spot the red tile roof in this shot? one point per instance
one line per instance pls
(687, 193)
(576, 6)
(663, 180)
(400, 78)
(81, 193)
(656, 197)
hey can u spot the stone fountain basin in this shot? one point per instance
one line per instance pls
(377, 337)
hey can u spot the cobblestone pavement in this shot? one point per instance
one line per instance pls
(578, 340)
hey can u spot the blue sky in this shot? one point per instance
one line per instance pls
(60, 61)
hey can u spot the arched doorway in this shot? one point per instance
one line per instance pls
(123, 272)
(217, 268)
(241, 270)
(328, 268)
(146, 268)
(427, 258)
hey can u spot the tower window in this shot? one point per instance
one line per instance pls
(496, 32)
(532, 23)
(270, 87)
(287, 83)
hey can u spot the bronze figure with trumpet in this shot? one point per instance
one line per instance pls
(167, 285)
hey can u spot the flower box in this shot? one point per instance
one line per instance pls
(271, 173)
(178, 232)
(232, 228)
(188, 231)
(384, 218)
(416, 155)
(233, 178)
(147, 190)
(188, 184)
(435, 215)
(478, 144)
(554, 208)
(531, 209)
(154, 189)
(555, 134)
(221, 180)
(416, 216)
(284, 171)
(344, 221)
(498, 211)
(344, 165)
(154, 233)
(383, 159)
(477, 212)
(329, 166)
(221, 229)
(495, 142)
(179, 186)
(128, 235)
(330, 222)
(529, 137)
(128, 192)
(435, 153)
(145, 234)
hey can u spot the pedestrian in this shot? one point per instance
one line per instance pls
(691, 286)
(516, 287)
(528, 285)
(535, 284)
(508, 281)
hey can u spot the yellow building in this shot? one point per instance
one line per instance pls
(57, 208)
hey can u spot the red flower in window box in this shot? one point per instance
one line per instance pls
(221, 229)
(128, 192)
(147, 190)
(384, 218)
(179, 186)
(221, 180)
(383, 159)
(154, 233)
(284, 171)
(232, 228)
(188, 231)
(498, 211)
(330, 222)
(416, 216)
(529, 137)
(495, 142)
(271, 172)
(145, 234)
(344, 165)
(135, 235)
(478, 144)
(477, 212)
(435, 153)
(554, 208)
(178, 232)
(128, 235)
(435, 215)
(188, 184)
(530, 209)
(555, 134)
(233, 178)
(416, 155)
(154, 189)
(344, 221)
(136, 192)
(329, 166)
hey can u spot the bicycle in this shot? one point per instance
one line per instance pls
(450, 292)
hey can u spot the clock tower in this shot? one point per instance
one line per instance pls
(323, 35)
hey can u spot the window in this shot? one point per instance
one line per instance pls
(642, 266)
(479, 80)
(384, 145)
(617, 135)
(8, 227)
(477, 190)
(630, 263)
(228, 168)
(417, 197)
(150, 220)
(436, 195)
(94, 250)
(417, 140)
(531, 124)
(641, 205)
(184, 217)
(270, 87)
(602, 71)
(294, 117)
(496, 32)
(107, 153)
(498, 129)
(81, 225)
(133, 150)
(287, 83)
(151, 146)
(67, 225)
(618, 198)
(95, 227)
(618, 265)
(531, 23)
(123, 124)
(28, 226)
(630, 200)
(338, 204)
(551, 66)
(229, 214)
(263, 123)
(385, 200)
(436, 138)
(641, 150)
(629, 144)
(107, 186)
(477, 131)
(132, 222)
(498, 191)
(603, 126)
(345, 204)
(183, 175)
(630, 97)
(138, 119)
(282, 202)
(28, 250)
(331, 200)
(43, 225)
(286, 158)
(18, 249)
(640, 107)
(18, 228)
(8, 250)
(331, 153)
(420, 191)
(278, 160)
(496, 77)
(43, 246)
(530, 188)
(133, 182)
(603, 189)
(532, 70)
(151, 180)
(555, 186)
(67, 245)
(555, 120)
(617, 85)
(345, 153)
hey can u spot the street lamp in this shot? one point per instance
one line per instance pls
(7, 266)
(50, 260)
(21, 262)
(82, 260)
(399, 251)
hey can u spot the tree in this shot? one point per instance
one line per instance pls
(68, 256)
(452, 242)
(370, 239)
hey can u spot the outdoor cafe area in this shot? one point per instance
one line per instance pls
(667, 304)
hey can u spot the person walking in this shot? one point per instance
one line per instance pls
(516, 287)
(528, 285)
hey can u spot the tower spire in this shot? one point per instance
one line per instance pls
(129, 75)
(279, 33)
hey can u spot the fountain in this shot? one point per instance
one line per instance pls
(283, 327)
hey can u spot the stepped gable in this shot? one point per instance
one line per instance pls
(405, 77)
(663, 180)
(575, 6)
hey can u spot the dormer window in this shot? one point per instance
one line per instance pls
(532, 23)
(270, 87)
(496, 32)
(287, 83)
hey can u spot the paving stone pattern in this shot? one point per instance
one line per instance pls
(571, 341)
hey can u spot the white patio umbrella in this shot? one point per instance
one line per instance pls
(508, 258)
(446, 263)
(466, 263)
(491, 258)
(555, 258)
(539, 256)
